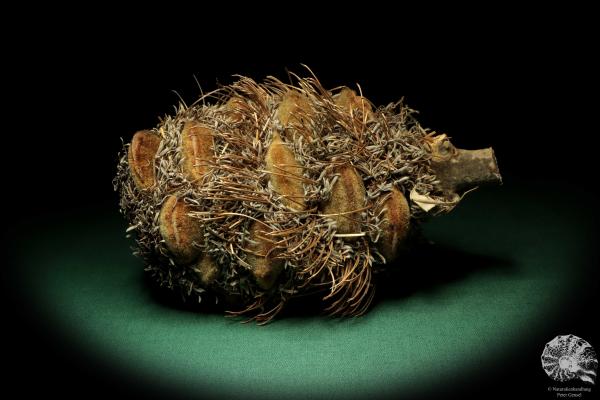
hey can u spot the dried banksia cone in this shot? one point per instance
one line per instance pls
(265, 192)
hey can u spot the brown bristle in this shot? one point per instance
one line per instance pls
(179, 230)
(285, 173)
(395, 225)
(142, 151)
(347, 200)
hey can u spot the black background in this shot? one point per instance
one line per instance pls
(518, 80)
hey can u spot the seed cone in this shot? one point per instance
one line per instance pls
(270, 191)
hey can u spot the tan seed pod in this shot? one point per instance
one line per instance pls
(179, 230)
(285, 173)
(232, 109)
(197, 148)
(207, 270)
(293, 109)
(142, 151)
(261, 256)
(347, 200)
(395, 225)
(349, 100)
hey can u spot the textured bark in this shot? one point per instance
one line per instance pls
(459, 170)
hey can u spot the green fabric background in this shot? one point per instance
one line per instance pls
(526, 249)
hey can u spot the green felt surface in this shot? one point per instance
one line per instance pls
(89, 287)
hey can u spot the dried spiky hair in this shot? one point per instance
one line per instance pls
(278, 222)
